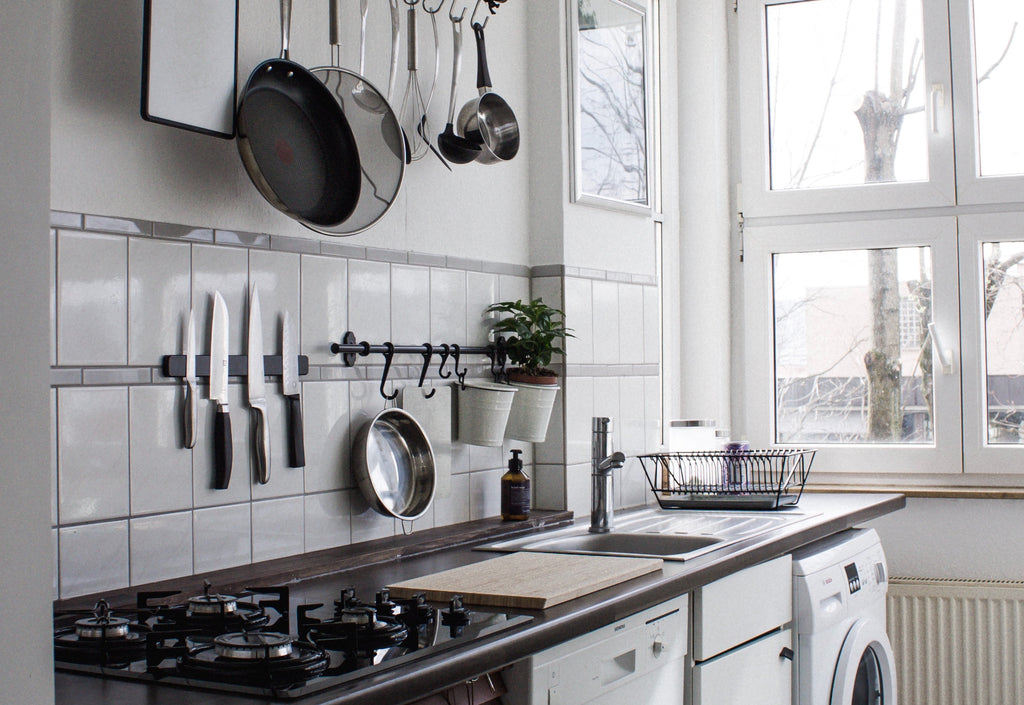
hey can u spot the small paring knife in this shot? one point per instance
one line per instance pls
(219, 393)
(292, 391)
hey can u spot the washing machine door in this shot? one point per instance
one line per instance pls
(865, 674)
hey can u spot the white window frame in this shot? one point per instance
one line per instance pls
(972, 188)
(942, 457)
(979, 455)
(760, 200)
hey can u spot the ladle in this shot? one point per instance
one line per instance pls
(455, 148)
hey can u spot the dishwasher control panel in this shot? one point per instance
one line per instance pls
(639, 660)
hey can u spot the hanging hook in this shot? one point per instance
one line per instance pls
(472, 18)
(388, 354)
(414, 3)
(428, 352)
(446, 351)
(451, 13)
(460, 375)
(436, 9)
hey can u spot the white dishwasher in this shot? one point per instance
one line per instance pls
(638, 660)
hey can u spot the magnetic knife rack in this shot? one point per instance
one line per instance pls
(238, 365)
(350, 350)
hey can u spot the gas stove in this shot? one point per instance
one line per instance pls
(245, 643)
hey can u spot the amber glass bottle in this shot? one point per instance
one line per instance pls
(515, 491)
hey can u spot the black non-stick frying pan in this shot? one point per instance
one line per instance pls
(295, 141)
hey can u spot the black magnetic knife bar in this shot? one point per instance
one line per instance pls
(238, 365)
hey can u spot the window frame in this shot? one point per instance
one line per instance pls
(760, 200)
(943, 457)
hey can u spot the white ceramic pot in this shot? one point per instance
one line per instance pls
(531, 411)
(483, 412)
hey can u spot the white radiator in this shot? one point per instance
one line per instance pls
(957, 641)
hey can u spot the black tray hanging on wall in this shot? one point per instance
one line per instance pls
(189, 65)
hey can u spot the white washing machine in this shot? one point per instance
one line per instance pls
(843, 655)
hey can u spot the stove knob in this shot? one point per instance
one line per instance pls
(384, 604)
(456, 615)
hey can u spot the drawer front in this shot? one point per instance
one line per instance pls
(755, 673)
(742, 606)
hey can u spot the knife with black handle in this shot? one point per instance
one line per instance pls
(219, 393)
(292, 392)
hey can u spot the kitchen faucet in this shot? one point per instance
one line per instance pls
(602, 512)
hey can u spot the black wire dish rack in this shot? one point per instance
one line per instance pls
(728, 479)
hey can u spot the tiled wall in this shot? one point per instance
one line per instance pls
(131, 505)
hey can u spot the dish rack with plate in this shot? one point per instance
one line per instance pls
(728, 479)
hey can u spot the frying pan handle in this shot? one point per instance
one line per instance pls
(483, 76)
(286, 26)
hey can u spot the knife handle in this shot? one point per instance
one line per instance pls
(261, 441)
(296, 447)
(191, 411)
(222, 448)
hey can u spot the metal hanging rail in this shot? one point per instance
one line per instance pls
(350, 350)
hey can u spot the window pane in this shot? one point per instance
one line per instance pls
(852, 353)
(1004, 341)
(998, 66)
(845, 93)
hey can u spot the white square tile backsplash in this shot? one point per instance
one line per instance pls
(131, 505)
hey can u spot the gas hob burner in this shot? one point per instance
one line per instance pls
(263, 659)
(357, 630)
(101, 639)
(213, 614)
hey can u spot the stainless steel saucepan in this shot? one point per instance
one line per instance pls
(488, 120)
(394, 465)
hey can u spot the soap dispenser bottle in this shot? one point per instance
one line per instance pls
(515, 491)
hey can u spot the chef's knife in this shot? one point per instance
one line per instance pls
(258, 390)
(219, 393)
(191, 402)
(290, 385)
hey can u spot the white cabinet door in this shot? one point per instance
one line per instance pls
(755, 674)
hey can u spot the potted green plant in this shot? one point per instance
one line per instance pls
(533, 333)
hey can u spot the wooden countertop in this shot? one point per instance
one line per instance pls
(834, 513)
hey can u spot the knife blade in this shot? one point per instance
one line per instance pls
(219, 393)
(292, 391)
(190, 408)
(258, 390)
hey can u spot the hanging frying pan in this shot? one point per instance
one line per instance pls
(375, 128)
(295, 141)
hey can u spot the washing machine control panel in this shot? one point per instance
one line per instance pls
(852, 577)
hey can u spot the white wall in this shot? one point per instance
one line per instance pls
(26, 663)
(108, 161)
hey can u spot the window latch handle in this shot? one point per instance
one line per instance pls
(944, 354)
(938, 101)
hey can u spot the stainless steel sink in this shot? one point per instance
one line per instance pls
(655, 533)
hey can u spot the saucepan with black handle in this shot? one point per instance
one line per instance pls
(488, 120)
(295, 141)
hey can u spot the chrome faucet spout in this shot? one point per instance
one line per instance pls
(602, 511)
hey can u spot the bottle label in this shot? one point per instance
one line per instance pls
(515, 498)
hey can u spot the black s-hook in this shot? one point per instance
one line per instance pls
(428, 352)
(461, 375)
(446, 350)
(388, 354)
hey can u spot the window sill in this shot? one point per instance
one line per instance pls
(925, 491)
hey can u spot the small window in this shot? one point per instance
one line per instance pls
(845, 93)
(1004, 341)
(851, 363)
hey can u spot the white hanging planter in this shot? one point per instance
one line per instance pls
(531, 410)
(483, 412)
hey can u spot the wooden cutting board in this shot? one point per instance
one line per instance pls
(527, 580)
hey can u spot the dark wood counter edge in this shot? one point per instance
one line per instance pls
(561, 622)
(305, 566)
